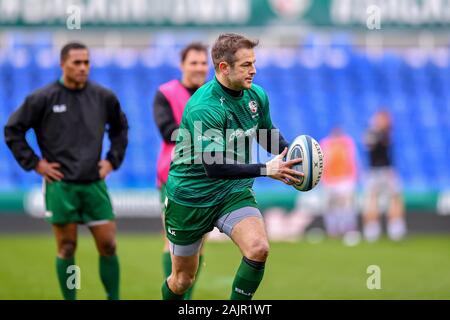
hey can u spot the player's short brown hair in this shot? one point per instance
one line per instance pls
(226, 46)
(196, 46)
(71, 46)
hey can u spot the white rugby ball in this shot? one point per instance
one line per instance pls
(309, 150)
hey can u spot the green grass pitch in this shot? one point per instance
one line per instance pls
(417, 268)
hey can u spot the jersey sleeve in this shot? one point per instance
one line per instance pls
(117, 131)
(163, 115)
(27, 116)
(266, 120)
(207, 125)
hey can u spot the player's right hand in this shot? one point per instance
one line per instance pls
(49, 170)
(281, 170)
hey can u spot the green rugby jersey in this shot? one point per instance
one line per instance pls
(214, 121)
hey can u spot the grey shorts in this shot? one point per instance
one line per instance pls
(225, 224)
(383, 180)
(382, 184)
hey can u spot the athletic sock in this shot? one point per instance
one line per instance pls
(188, 294)
(372, 231)
(247, 279)
(61, 270)
(167, 264)
(396, 229)
(168, 294)
(109, 274)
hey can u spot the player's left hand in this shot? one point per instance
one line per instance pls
(105, 168)
(281, 170)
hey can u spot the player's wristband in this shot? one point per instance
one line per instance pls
(235, 171)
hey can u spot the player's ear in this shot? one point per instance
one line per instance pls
(224, 67)
(63, 61)
(182, 64)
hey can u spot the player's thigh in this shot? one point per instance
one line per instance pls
(105, 236)
(344, 192)
(393, 185)
(250, 235)
(242, 221)
(66, 236)
(185, 267)
(373, 186)
(185, 258)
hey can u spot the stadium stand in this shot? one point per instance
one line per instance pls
(318, 86)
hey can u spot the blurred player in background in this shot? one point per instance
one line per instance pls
(382, 181)
(339, 183)
(168, 107)
(69, 117)
(211, 177)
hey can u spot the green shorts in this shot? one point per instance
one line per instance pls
(186, 225)
(77, 203)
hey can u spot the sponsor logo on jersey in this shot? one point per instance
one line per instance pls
(238, 133)
(253, 105)
(209, 138)
(59, 108)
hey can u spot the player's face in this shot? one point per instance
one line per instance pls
(382, 121)
(76, 66)
(195, 69)
(241, 75)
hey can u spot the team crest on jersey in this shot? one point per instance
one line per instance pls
(59, 108)
(253, 106)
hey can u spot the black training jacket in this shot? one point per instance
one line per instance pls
(69, 126)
